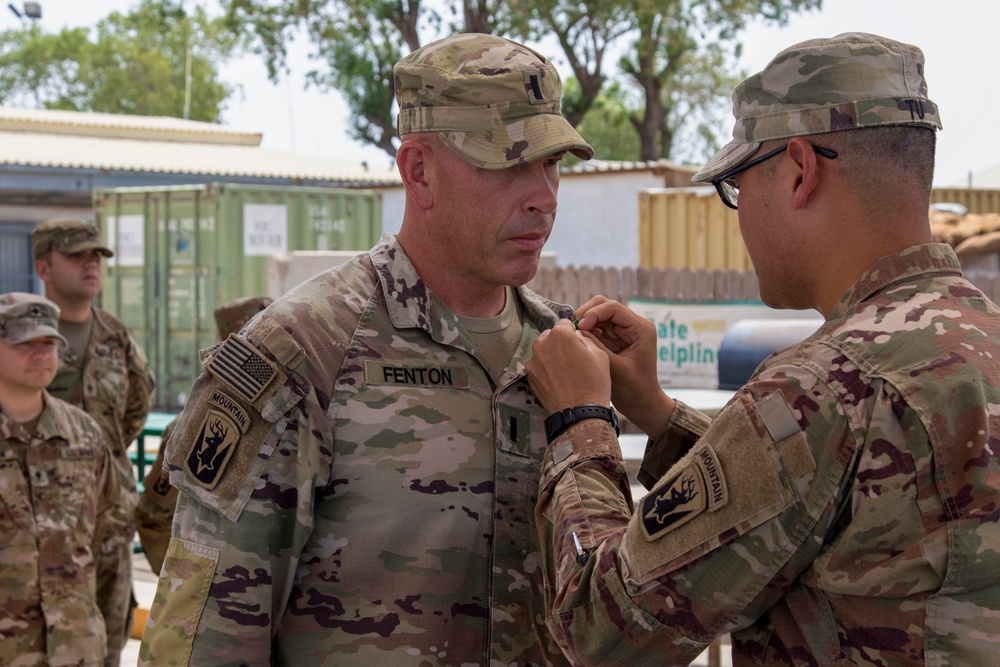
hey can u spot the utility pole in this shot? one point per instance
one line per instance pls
(31, 10)
(187, 75)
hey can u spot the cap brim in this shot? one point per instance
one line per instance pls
(80, 247)
(40, 331)
(525, 140)
(732, 154)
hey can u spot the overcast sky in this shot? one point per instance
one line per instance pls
(958, 38)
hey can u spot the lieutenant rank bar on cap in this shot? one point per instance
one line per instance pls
(242, 368)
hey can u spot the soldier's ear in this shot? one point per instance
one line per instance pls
(42, 269)
(804, 156)
(414, 160)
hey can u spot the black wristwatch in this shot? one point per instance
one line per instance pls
(558, 422)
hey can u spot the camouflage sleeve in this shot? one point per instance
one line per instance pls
(112, 550)
(686, 426)
(154, 513)
(141, 385)
(248, 472)
(708, 548)
(109, 489)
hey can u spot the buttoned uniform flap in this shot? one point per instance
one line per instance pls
(732, 481)
(238, 409)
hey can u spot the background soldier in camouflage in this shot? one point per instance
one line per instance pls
(358, 466)
(104, 372)
(842, 509)
(155, 512)
(57, 489)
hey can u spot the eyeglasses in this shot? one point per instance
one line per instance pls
(729, 190)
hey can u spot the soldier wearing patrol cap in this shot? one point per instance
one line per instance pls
(155, 512)
(104, 372)
(57, 490)
(842, 508)
(357, 466)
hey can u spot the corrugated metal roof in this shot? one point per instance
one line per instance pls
(606, 166)
(67, 139)
(122, 126)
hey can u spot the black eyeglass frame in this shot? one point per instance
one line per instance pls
(719, 180)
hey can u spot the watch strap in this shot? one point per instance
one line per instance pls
(558, 422)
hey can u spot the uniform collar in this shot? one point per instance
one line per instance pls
(47, 424)
(919, 260)
(410, 304)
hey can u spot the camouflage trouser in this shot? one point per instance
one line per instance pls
(114, 583)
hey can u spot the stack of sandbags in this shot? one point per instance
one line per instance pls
(978, 245)
(954, 229)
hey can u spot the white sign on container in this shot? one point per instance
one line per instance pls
(126, 237)
(265, 229)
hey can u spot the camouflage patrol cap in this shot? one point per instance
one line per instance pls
(851, 81)
(232, 315)
(68, 236)
(24, 317)
(492, 101)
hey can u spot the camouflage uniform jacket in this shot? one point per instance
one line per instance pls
(354, 490)
(842, 509)
(117, 387)
(117, 391)
(56, 490)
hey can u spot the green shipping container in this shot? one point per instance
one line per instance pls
(181, 251)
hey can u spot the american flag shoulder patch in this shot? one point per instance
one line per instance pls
(242, 368)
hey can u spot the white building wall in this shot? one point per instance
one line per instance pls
(393, 202)
(597, 222)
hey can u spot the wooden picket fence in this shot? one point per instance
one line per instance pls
(574, 285)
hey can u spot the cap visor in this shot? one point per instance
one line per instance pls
(731, 155)
(80, 247)
(40, 331)
(525, 140)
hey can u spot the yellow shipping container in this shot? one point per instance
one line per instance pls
(689, 228)
(975, 200)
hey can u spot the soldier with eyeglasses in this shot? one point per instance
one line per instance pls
(843, 507)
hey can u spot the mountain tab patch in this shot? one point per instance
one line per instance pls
(219, 434)
(694, 487)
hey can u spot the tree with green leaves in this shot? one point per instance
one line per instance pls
(607, 125)
(676, 54)
(159, 59)
(586, 32)
(677, 46)
(359, 41)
